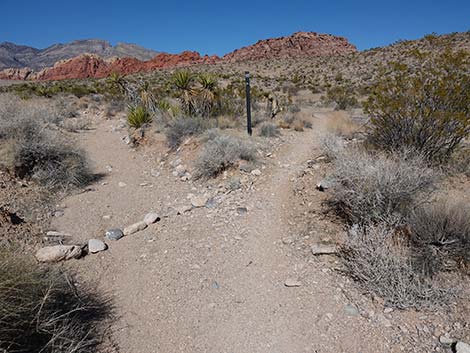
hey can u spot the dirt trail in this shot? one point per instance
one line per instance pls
(212, 280)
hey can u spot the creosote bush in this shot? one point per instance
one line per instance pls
(374, 257)
(41, 310)
(377, 187)
(344, 97)
(221, 152)
(425, 108)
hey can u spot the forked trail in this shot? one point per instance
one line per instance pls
(212, 279)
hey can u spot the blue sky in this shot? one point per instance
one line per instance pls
(218, 27)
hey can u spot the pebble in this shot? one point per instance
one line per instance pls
(96, 245)
(242, 210)
(351, 310)
(291, 282)
(183, 209)
(114, 234)
(151, 218)
(53, 233)
(121, 184)
(447, 340)
(388, 310)
(179, 171)
(256, 172)
(134, 228)
(199, 201)
(321, 249)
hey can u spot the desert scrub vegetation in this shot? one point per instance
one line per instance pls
(425, 108)
(183, 127)
(269, 130)
(440, 236)
(138, 116)
(342, 96)
(41, 310)
(376, 258)
(221, 152)
(31, 148)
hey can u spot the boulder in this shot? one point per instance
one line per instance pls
(58, 253)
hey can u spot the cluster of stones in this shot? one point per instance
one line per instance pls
(56, 253)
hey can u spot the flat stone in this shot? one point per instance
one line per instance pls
(96, 245)
(114, 234)
(462, 347)
(183, 209)
(134, 228)
(447, 340)
(351, 310)
(323, 249)
(292, 282)
(199, 201)
(58, 253)
(53, 233)
(151, 218)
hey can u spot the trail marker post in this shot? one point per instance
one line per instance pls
(248, 103)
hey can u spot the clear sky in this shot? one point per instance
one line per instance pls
(218, 27)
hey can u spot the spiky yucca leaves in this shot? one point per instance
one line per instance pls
(207, 94)
(184, 82)
(138, 116)
(117, 83)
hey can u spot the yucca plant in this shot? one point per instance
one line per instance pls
(138, 116)
(184, 83)
(208, 95)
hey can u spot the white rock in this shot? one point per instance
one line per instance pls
(256, 172)
(57, 253)
(446, 340)
(321, 249)
(199, 201)
(96, 245)
(134, 228)
(122, 184)
(53, 233)
(151, 218)
(179, 170)
(462, 347)
(291, 282)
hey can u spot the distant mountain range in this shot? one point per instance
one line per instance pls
(20, 56)
(97, 58)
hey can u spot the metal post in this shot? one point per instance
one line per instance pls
(248, 103)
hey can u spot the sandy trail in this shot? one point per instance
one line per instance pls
(210, 280)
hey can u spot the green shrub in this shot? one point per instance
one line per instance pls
(425, 108)
(138, 116)
(344, 97)
(41, 310)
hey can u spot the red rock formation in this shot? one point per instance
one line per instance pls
(89, 65)
(297, 45)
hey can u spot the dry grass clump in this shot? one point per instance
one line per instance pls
(269, 130)
(374, 257)
(41, 310)
(377, 187)
(182, 127)
(222, 152)
(440, 236)
(31, 148)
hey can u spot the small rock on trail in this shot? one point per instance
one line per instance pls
(114, 234)
(134, 228)
(58, 253)
(199, 201)
(96, 245)
(151, 218)
(292, 282)
(322, 249)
